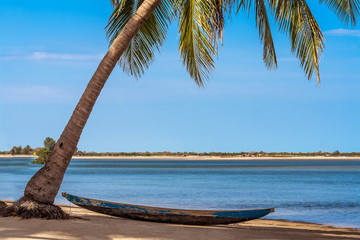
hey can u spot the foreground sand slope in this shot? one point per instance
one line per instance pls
(89, 225)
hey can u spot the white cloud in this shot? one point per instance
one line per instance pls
(10, 57)
(32, 94)
(343, 32)
(37, 56)
(290, 59)
(62, 56)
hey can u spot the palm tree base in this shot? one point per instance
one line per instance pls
(3, 206)
(27, 208)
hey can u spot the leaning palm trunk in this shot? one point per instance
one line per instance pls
(42, 188)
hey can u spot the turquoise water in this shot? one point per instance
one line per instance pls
(320, 191)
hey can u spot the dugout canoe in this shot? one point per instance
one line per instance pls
(167, 215)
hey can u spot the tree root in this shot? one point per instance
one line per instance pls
(3, 206)
(27, 208)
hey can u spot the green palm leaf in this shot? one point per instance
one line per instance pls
(346, 10)
(262, 21)
(196, 33)
(141, 51)
(307, 42)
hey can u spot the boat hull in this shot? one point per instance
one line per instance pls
(166, 215)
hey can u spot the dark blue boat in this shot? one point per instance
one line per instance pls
(167, 215)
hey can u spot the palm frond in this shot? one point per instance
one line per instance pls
(307, 42)
(195, 45)
(114, 3)
(141, 51)
(221, 11)
(217, 22)
(245, 5)
(346, 10)
(262, 21)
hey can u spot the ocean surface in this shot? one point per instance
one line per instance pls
(319, 191)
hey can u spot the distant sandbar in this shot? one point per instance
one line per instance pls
(197, 157)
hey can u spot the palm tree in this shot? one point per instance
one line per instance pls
(137, 28)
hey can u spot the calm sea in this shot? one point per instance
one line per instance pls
(319, 191)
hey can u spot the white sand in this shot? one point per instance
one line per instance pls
(89, 225)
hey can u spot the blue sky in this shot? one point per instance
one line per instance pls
(50, 49)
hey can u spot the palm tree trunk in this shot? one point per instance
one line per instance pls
(44, 185)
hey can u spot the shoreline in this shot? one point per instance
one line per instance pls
(194, 157)
(85, 224)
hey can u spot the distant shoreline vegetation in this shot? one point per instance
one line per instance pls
(49, 143)
(41, 153)
(216, 154)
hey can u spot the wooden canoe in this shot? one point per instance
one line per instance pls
(167, 215)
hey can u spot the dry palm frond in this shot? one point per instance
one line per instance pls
(217, 22)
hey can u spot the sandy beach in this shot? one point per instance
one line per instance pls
(88, 225)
